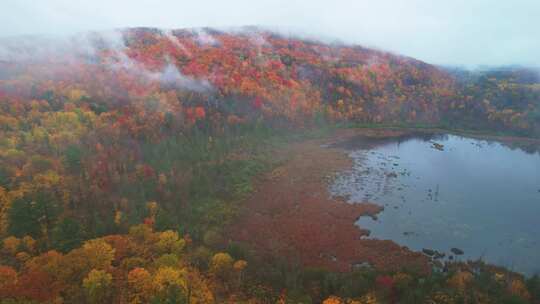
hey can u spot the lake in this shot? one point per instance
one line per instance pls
(446, 191)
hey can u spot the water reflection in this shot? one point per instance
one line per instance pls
(445, 191)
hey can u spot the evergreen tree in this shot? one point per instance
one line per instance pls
(33, 215)
(67, 235)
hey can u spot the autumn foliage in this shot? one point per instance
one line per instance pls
(115, 136)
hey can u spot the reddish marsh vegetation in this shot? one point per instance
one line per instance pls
(292, 212)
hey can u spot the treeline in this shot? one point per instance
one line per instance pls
(145, 266)
(501, 100)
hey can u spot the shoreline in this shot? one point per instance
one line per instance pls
(292, 213)
(482, 135)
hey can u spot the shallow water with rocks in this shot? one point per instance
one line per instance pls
(446, 191)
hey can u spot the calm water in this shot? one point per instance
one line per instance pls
(481, 197)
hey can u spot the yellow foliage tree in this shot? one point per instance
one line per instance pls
(142, 233)
(99, 254)
(152, 208)
(97, 285)
(460, 280)
(239, 267)
(29, 244)
(402, 280)
(369, 298)
(221, 264)
(441, 298)
(75, 95)
(167, 278)
(141, 286)
(198, 291)
(518, 288)
(170, 260)
(333, 300)
(11, 245)
(170, 242)
(5, 203)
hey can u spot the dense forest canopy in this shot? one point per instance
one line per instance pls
(130, 136)
(275, 76)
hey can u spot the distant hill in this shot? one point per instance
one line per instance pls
(251, 72)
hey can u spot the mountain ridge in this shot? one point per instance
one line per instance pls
(345, 82)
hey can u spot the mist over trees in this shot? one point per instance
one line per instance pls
(124, 154)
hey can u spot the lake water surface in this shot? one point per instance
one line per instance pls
(481, 197)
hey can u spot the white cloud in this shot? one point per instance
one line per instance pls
(459, 32)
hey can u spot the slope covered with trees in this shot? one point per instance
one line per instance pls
(107, 131)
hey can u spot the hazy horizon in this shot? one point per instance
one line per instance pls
(462, 33)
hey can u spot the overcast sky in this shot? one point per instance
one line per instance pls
(450, 32)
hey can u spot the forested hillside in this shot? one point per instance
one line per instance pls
(146, 140)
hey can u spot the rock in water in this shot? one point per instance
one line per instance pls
(437, 146)
(439, 255)
(428, 252)
(457, 251)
